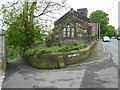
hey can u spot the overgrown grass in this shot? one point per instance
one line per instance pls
(12, 54)
(44, 50)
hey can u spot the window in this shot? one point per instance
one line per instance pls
(68, 30)
(72, 32)
(57, 35)
(64, 32)
(80, 35)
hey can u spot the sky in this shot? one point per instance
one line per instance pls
(108, 6)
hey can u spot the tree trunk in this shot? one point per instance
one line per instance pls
(28, 22)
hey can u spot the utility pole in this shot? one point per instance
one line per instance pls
(99, 29)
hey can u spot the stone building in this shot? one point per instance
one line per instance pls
(74, 25)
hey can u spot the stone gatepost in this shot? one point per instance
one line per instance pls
(1, 52)
(3, 58)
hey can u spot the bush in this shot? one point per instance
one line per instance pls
(69, 43)
(80, 44)
(64, 49)
(13, 53)
(44, 50)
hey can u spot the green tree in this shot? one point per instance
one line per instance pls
(16, 36)
(111, 31)
(22, 20)
(102, 18)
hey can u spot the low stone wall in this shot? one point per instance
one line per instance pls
(61, 59)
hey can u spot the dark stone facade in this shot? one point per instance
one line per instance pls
(74, 25)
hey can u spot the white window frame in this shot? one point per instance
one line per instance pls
(68, 30)
(73, 32)
(64, 32)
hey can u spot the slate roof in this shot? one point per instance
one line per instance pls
(75, 13)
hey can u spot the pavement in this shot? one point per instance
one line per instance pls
(99, 54)
(98, 71)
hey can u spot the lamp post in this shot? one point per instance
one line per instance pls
(99, 29)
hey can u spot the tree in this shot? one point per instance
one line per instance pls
(111, 31)
(16, 36)
(20, 19)
(102, 18)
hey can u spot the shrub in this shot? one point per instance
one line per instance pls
(69, 43)
(13, 53)
(44, 50)
(80, 44)
(64, 49)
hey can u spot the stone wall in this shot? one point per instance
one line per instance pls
(59, 60)
(3, 57)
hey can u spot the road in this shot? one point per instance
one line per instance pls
(112, 47)
(96, 75)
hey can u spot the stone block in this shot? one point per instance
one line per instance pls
(61, 62)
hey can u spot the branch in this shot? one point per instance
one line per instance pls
(32, 8)
(43, 10)
(12, 4)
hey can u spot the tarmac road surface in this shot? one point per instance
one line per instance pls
(98, 71)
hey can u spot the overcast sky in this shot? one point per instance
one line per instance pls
(108, 6)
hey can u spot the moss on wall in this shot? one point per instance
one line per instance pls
(60, 60)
